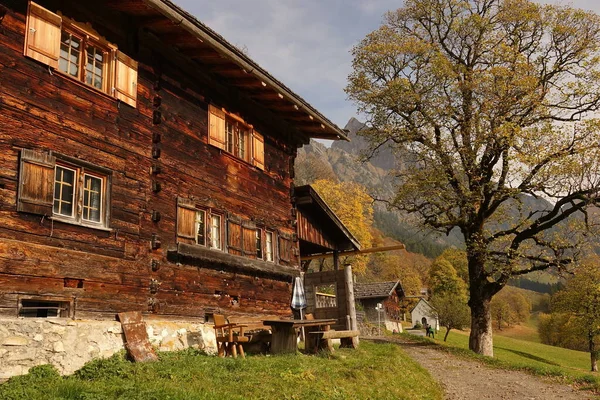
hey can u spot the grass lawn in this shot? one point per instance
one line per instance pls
(527, 331)
(538, 358)
(374, 371)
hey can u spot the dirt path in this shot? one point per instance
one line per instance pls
(469, 380)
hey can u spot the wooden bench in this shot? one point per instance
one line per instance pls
(321, 340)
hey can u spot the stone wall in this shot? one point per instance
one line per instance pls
(69, 344)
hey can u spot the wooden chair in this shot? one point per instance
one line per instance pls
(230, 337)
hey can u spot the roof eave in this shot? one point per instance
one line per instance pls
(207, 35)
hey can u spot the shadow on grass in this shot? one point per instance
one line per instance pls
(530, 356)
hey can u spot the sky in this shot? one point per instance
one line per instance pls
(306, 44)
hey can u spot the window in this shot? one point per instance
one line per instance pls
(236, 140)
(66, 191)
(198, 226)
(80, 53)
(325, 296)
(215, 231)
(79, 195)
(83, 58)
(42, 308)
(232, 134)
(269, 246)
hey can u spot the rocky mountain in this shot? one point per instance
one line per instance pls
(383, 159)
(342, 161)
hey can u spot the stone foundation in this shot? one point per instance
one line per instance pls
(69, 344)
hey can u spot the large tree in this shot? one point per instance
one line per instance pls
(486, 101)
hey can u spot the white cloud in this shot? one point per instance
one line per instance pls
(305, 44)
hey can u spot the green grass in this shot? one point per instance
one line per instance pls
(537, 358)
(527, 331)
(374, 371)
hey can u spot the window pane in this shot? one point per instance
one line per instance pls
(94, 67)
(258, 244)
(241, 145)
(215, 232)
(229, 138)
(69, 54)
(269, 246)
(64, 181)
(201, 228)
(92, 198)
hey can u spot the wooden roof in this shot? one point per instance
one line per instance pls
(314, 208)
(182, 31)
(374, 290)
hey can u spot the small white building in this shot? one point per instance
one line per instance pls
(424, 313)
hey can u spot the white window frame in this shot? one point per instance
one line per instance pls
(74, 190)
(197, 226)
(216, 237)
(76, 216)
(269, 255)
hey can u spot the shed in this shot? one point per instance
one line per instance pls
(389, 294)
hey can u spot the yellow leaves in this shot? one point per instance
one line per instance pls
(354, 207)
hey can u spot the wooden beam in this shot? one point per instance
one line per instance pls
(355, 252)
(216, 259)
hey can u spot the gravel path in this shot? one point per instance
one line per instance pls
(470, 380)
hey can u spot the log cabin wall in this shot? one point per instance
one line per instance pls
(155, 154)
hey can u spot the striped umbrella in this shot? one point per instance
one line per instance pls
(299, 299)
(298, 296)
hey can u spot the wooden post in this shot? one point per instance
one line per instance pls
(351, 307)
(336, 260)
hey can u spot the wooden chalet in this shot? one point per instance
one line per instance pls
(145, 164)
(389, 294)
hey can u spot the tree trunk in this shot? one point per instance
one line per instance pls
(481, 291)
(447, 332)
(593, 354)
(480, 339)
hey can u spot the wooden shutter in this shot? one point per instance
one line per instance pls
(42, 35)
(126, 75)
(249, 241)
(258, 150)
(186, 222)
(234, 236)
(216, 127)
(285, 248)
(36, 182)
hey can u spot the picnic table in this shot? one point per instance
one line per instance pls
(284, 332)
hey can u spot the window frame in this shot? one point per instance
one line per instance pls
(189, 206)
(79, 195)
(220, 233)
(65, 309)
(73, 195)
(197, 228)
(259, 244)
(273, 242)
(89, 39)
(235, 136)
